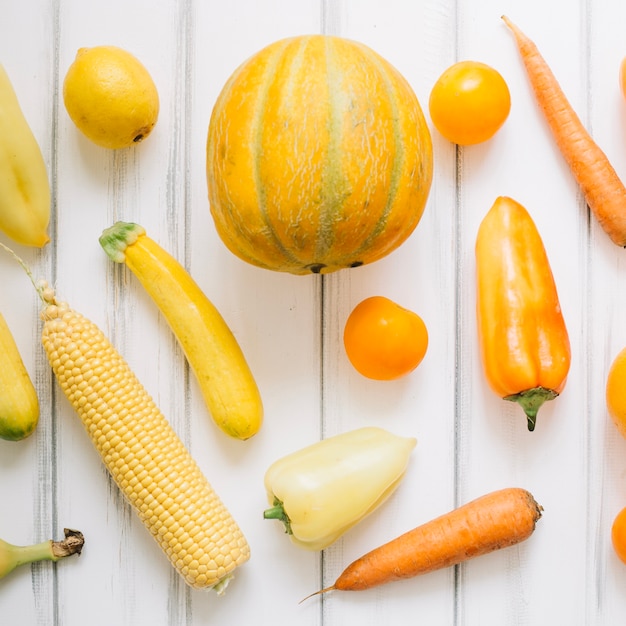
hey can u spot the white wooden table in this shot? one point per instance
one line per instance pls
(470, 441)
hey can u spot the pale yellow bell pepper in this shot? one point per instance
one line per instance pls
(323, 490)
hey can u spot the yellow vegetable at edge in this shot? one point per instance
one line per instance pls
(226, 382)
(19, 406)
(25, 195)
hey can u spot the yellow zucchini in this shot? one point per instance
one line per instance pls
(25, 197)
(19, 405)
(226, 382)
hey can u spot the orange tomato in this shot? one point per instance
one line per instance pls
(383, 340)
(616, 392)
(469, 102)
(622, 77)
(618, 535)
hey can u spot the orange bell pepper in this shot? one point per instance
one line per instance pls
(522, 334)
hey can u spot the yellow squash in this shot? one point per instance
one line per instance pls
(318, 157)
(24, 185)
(227, 384)
(19, 406)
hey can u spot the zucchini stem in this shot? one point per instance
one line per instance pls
(13, 556)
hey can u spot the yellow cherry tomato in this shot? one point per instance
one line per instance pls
(383, 340)
(469, 102)
(618, 535)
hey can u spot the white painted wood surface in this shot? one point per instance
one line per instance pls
(470, 442)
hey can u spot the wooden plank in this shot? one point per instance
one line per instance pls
(274, 316)
(420, 275)
(28, 488)
(497, 449)
(605, 337)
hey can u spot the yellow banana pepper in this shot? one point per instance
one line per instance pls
(323, 490)
(522, 335)
(25, 197)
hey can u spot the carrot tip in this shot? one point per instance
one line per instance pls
(317, 593)
(509, 24)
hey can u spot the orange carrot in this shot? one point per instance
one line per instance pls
(493, 521)
(601, 186)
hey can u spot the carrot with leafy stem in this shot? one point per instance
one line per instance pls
(602, 188)
(496, 520)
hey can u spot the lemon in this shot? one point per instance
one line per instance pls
(110, 96)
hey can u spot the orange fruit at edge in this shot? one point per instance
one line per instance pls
(622, 77)
(618, 535)
(616, 392)
(383, 340)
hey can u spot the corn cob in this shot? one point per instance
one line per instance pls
(145, 457)
(19, 405)
(226, 382)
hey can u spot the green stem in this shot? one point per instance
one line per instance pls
(115, 239)
(13, 556)
(531, 401)
(278, 512)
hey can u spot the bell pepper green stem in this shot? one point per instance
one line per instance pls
(531, 401)
(277, 511)
(13, 556)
